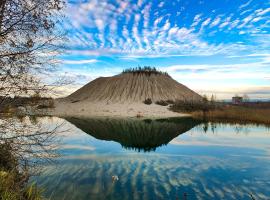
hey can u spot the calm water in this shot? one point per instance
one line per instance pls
(158, 159)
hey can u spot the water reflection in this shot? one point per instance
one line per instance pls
(219, 162)
(141, 135)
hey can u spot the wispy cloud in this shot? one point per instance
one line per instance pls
(124, 27)
(79, 62)
(129, 32)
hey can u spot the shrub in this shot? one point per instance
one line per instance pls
(46, 104)
(162, 103)
(170, 101)
(192, 106)
(147, 101)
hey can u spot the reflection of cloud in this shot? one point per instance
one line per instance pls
(157, 177)
(201, 172)
(227, 136)
(77, 147)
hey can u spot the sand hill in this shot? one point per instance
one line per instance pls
(133, 88)
(123, 95)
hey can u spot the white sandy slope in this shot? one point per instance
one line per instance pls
(89, 109)
(122, 95)
(133, 88)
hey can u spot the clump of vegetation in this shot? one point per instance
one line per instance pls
(46, 104)
(14, 178)
(192, 106)
(170, 101)
(162, 103)
(147, 101)
(165, 103)
(139, 115)
(148, 70)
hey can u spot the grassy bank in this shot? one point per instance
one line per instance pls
(236, 114)
(255, 113)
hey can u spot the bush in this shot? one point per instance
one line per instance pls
(170, 101)
(162, 103)
(147, 101)
(192, 106)
(46, 104)
(43, 107)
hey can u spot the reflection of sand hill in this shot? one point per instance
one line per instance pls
(133, 87)
(123, 95)
(138, 134)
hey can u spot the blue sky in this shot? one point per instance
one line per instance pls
(212, 46)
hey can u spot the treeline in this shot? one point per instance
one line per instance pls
(144, 70)
(8, 104)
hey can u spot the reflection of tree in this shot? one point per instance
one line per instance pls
(144, 135)
(238, 128)
(28, 138)
(24, 143)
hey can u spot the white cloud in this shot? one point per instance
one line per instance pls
(140, 2)
(224, 78)
(167, 25)
(215, 22)
(122, 6)
(161, 4)
(158, 36)
(196, 20)
(146, 15)
(173, 31)
(245, 5)
(223, 24)
(263, 12)
(242, 32)
(79, 62)
(234, 23)
(100, 24)
(157, 21)
(135, 31)
(205, 23)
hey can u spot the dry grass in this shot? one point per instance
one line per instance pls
(253, 112)
(239, 114)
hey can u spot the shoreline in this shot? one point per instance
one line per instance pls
(101, 109)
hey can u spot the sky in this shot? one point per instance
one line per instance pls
(219, 47)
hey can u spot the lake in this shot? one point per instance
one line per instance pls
(157, 159)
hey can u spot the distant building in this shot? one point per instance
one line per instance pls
(237, 100)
